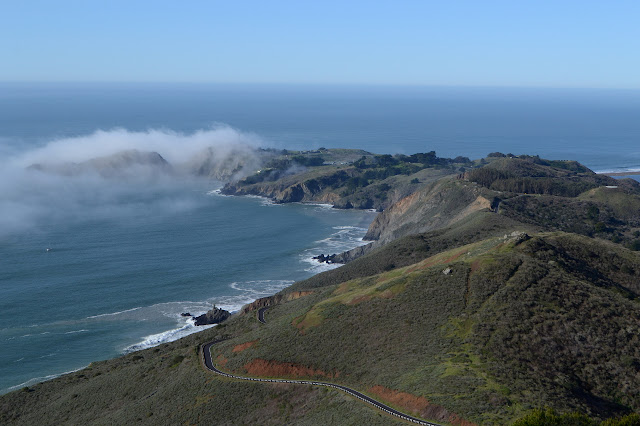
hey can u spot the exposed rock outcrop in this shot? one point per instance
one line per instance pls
(326, 259)
(283, 192)
(274, 300)
(436, 206)
(214, 316)
(354, 253)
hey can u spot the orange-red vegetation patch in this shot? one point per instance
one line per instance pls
(221, 360)
(242, 346)
(419, 406)
(263, 367)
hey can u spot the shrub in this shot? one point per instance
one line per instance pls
(548, 417)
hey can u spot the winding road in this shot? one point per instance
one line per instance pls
(208, 363)
(261, 314)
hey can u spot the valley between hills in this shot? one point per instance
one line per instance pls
(497, 291)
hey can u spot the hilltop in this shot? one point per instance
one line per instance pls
(491, 289)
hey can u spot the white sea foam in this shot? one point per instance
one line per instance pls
(250, 291)
(167, 336)
(632, 169)
(115, 313)
(345, 238)
(76, 331)
(316, 267)
(321, 206)
(247, 291)
(32, 334)
(351, 228)
(265, 201)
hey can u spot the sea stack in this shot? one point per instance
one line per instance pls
(214, 316)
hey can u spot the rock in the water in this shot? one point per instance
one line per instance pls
(186, 314)
(325, 259)
(214, 316)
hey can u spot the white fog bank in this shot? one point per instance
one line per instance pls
(117, 173)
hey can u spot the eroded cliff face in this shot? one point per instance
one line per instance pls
(342, 188)
(436, 206)
(273, 300)
(281, 193)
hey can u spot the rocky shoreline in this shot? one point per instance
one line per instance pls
(213, 316)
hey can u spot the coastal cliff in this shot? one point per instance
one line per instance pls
(333, 177)
(266, 302)
(439, 205)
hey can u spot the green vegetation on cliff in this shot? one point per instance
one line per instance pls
(345, 178)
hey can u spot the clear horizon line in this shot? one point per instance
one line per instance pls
(321, 84)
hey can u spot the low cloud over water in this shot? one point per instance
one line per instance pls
(116, 173)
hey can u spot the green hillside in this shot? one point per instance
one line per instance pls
(487, 331)
(509, 292)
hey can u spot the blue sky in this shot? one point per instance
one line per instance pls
(561, 43)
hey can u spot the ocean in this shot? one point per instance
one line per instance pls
(127, 257)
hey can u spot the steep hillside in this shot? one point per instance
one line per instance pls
(438, 205)
(483, 332)
(554, 195)
(406, 250)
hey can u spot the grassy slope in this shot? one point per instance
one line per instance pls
(564, 196)
(510, 328)
(167, 385)
(413, 248)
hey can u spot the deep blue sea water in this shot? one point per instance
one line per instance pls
(128, 256)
